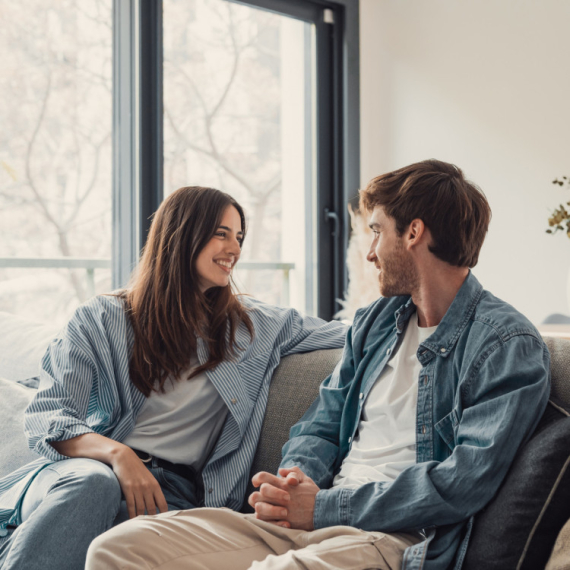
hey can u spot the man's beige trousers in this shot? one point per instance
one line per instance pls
(215, 539)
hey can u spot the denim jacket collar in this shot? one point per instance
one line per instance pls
(442, 341)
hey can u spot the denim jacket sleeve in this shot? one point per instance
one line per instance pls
(504, 395)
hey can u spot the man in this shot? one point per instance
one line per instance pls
(439, 385)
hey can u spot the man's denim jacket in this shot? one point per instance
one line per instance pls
(484, 384)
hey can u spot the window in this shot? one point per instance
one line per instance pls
(111, 104)
(239, 116)
(55, 155)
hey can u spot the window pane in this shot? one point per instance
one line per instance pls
(55, 153)
(239, 117)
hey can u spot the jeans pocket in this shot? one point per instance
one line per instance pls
(180, 493)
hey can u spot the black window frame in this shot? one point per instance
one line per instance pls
(138, 130)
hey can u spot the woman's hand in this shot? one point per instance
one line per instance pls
(141, 490)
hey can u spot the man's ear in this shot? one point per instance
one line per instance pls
(415, 232)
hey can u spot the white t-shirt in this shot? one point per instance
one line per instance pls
(181, 425)
(385, 443)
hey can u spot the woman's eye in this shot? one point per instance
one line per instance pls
(221, 234)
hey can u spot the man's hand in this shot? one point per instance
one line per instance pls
(287, 501)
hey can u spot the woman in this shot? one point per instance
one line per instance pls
(152, 399)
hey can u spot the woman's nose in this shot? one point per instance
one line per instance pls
(234, 246)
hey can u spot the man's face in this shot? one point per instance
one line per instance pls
(397, 273)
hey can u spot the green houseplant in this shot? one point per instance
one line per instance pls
(560, 218)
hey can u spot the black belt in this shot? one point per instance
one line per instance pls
(183, 470)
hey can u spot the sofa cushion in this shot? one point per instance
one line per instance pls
(294, 387)
(23, 343)
(14, 450)
(518, 528)
(560, 558)
(560, 369)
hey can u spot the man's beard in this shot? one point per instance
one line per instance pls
(398, 274)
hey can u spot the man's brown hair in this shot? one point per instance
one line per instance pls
(454, 210)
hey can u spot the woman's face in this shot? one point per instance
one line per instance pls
(215, 262)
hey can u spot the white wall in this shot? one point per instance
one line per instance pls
(484, 84)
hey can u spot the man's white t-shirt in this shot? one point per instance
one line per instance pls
(385, 443)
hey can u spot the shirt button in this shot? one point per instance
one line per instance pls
(424, 429)
(389, 351)
(361, 395)
(234, 401)
(349, 439)
(442, 350)
(210, 490)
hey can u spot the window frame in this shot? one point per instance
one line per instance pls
(138, 130)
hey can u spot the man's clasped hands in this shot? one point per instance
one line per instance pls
(287, 501)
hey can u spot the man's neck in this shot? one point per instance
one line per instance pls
(436, 290)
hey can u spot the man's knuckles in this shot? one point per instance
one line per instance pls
(260, 478)
(268, 511)
(254, 498)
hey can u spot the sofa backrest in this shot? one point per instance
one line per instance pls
(294, 387)
(296, 383)
(560, 368)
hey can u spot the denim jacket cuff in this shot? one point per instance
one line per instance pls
(332, 507)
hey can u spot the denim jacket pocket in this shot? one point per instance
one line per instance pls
(447, 428)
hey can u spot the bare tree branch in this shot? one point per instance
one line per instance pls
(212, 154)
(81, 200)
(29, 151)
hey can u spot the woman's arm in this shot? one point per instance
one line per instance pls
(141, 490)
(81, 388)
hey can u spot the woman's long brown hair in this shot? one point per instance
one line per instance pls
(163, 300)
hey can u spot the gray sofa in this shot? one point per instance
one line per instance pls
(519, 529)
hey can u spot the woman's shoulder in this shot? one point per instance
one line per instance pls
(112, 304)
(261, 310)
(103, 315)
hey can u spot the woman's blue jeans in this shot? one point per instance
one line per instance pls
(71, 502)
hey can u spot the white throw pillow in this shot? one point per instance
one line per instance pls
(14, 450)
(23, 343)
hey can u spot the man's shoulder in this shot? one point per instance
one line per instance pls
(501, 319)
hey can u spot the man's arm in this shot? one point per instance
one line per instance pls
(509, 393)
(508, 396)
(313, 448)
